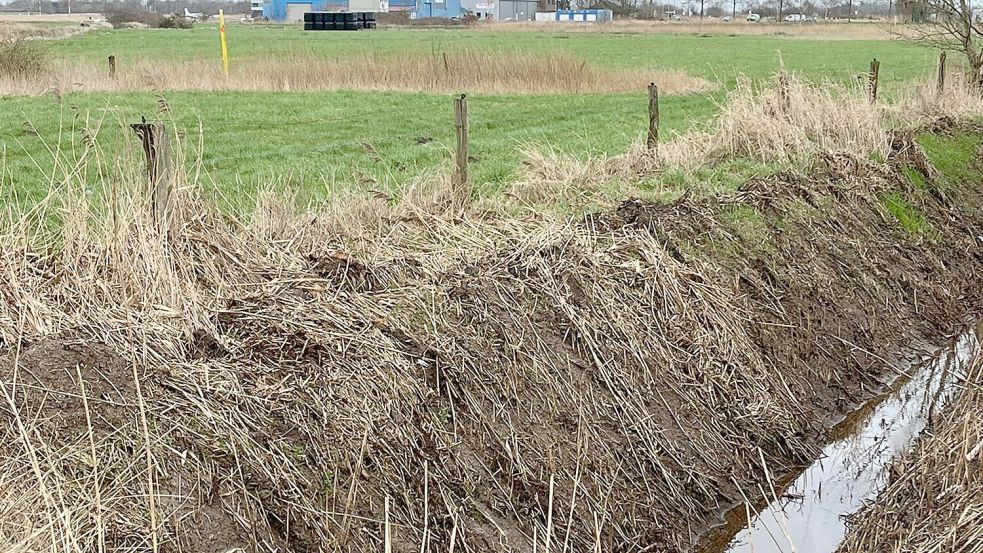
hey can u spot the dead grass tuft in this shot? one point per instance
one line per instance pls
(959, 101)
(22, 60)
(790, 121)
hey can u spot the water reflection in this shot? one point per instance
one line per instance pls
(807, 517)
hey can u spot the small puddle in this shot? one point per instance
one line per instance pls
(805, 513)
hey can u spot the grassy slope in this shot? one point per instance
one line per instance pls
(311, 140)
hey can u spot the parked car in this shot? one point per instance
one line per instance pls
(794, 17)
(753, 17)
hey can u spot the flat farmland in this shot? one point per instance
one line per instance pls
(317, 110)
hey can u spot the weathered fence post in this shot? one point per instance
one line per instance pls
(940, 81)
(112, 67)
(153, 137)
(653, 137)
(875, 69)
(462, 188)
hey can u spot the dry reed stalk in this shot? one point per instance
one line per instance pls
(16, 30)
(470, 70)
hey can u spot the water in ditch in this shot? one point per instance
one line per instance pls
(805, 513)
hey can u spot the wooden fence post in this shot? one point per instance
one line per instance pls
(653, 137)
(153, 137)
(940, 82)
(462, 188)
(112, 67)
(875, 70)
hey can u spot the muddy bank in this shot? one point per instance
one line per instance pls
(933, 501)
(605, 385)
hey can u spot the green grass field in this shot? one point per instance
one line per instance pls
(311, 141)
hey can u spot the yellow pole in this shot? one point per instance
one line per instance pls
(225, 47)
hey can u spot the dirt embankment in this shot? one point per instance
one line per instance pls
(601, 386)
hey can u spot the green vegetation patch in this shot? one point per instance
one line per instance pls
(749, 227)
(314, 142)
(908, 216)
(954, 156)
(915, 177)
(714, 57)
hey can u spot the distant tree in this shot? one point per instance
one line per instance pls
(621, 8)
(913, 11)
(767, 8)
(950, 25)
(715, 9)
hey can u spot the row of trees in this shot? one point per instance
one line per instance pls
(825, 9)
(210, 7)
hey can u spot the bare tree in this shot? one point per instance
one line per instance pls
(951, 25)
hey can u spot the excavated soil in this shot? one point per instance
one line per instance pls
(73, 391)
(605, 386)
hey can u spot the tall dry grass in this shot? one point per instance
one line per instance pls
(786, 121)
(12, 27)
(471, 70)
(22, 60)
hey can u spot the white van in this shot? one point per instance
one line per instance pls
(753, 17)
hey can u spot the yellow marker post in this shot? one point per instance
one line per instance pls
(225, 48)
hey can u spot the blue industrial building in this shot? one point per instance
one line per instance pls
(447, 9)
(290, 11)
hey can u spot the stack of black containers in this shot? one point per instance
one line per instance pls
(335, 21)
